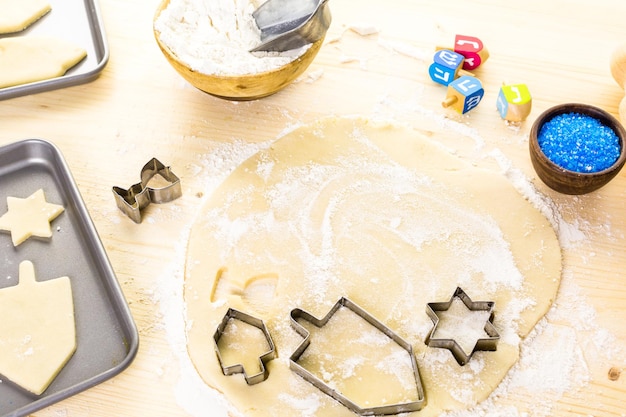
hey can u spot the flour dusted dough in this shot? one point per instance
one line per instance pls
(17, 15)
(26, 59)
(37, 330)
(386, 217)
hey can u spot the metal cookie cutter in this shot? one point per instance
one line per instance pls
(263, 359)
(489, 343)
(406, 407)
(139, 195)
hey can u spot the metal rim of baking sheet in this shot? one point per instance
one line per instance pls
(80, 22)
(106, 336)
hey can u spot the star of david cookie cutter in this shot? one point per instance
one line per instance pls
(405, 407)
(238, 368)
(133, 200)
(489, 343)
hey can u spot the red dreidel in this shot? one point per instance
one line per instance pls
(464, 94)
(514, 102)
(472, 49)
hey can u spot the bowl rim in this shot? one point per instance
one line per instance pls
(602, 115)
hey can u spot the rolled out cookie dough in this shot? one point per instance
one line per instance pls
(17, 15)
(384, 216)
(26, 59)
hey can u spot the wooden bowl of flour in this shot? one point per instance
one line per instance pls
(249, 86)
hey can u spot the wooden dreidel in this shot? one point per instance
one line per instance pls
(618, 70)
(514, 102)
(464, 94)
(446, 66)
(472, 49)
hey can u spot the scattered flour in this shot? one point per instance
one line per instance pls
(215, 36)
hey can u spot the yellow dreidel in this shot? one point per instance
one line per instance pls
(472, 50)
(464, 94)
(446, 66)
(514, 102)
(618, 69)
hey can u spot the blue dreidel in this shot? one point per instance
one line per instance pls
(446, 66)
(464, 94)
(514, 102)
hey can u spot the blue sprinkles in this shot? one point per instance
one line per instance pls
(579, 143)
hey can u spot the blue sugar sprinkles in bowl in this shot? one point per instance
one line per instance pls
(576, 148)
(579, 142)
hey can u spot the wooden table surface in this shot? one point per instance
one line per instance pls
(141, 108)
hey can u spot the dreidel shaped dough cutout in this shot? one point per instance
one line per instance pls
(27, 59)
(16, 16)
(37, 329)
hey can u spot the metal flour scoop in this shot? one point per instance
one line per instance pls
(290, 24)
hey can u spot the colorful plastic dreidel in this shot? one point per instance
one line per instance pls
(514, 102)
(446, 66)
(472, 49)
(464, 94)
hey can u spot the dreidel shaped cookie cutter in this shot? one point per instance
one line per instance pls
(404, 407)
(133, 200)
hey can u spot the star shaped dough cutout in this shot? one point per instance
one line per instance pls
(30, 216)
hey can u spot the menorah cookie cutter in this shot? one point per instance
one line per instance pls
(133, 200)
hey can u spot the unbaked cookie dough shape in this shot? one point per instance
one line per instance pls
(27, 59)
(17, 15)
(382, 215)
(30, 216)
(37, 330)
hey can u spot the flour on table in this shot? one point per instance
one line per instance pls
(215, 37)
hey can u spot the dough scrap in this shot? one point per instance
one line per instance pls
(17, 15)
(37, 330)
(27, 59)
(386, 217)
(30, 216)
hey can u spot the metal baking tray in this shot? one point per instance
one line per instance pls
(77, 21)
(106, 336)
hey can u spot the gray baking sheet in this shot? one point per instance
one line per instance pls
(106, 336)
(77, 21)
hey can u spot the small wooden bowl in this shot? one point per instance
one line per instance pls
(240, 87)
(564, 180)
